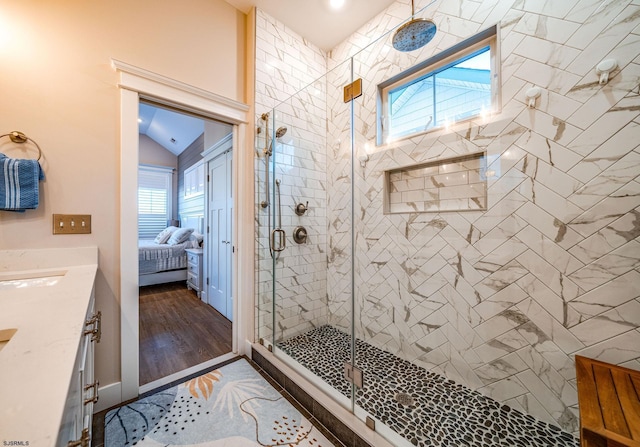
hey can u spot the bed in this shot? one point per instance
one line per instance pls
(163, 263)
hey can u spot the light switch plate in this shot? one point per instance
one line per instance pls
(71, 223)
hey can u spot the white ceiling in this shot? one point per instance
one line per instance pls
(171, 130)
(315, 20)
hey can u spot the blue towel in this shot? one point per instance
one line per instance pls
(19, 189)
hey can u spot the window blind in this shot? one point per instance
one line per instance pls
(154, 200)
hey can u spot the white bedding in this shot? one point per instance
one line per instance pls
(155, 258)
(148, 250)
(162, 263)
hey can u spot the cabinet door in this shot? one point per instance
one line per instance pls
(217, 289)
(77, 414)
(87, 374)
(71, 424)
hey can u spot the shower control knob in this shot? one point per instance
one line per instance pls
(301, 208)
(300, 235)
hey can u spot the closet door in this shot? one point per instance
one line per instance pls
(218, 287)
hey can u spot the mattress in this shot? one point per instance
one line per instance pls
(153, 258)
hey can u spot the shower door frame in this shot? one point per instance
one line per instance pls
(346, 402)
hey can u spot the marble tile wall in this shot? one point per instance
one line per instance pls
(502, 299)
(287, 64)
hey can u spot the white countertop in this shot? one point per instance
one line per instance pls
(36, 365)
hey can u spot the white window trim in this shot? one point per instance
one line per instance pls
(437, 63)
(167, 173)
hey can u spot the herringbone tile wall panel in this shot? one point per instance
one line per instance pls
(498, 300)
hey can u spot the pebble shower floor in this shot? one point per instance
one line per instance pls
(423, 407)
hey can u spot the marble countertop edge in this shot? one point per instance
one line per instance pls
(37, 364)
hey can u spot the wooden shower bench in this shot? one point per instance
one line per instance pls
(609, 400)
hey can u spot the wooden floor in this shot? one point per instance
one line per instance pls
(177, 331)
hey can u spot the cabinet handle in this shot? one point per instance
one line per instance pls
(95, 396)
(84, 441)
(96, 330)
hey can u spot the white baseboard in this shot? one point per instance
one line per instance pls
(247, 348)
(110, 396)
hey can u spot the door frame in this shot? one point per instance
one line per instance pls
(135, 84)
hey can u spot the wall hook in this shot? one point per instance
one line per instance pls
(532, 94)
(604, 68)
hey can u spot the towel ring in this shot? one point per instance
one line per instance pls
(19, 138)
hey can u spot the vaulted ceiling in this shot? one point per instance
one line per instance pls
(172, 130)
(316, 20)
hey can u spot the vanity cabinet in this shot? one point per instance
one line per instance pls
(46, 367)
(75, 430)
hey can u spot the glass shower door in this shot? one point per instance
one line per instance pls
(383, 298)
(311, 230)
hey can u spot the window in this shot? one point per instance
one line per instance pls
(458, 84)
(154, 200)
(194, 180)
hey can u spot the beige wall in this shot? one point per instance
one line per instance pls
(58, 87)
(214, 132)
(151, 153)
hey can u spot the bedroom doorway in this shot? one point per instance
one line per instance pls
(179, 324)
(180, 329)
(138, 84)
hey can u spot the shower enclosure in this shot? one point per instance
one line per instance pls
(325, 305)
(306, 289)
(364, 305)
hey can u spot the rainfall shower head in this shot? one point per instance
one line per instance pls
(279, 134)
(414, 34)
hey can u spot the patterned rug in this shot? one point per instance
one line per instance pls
(231, 406)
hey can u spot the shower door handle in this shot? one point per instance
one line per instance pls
(282, 242)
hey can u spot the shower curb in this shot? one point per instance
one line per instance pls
(345, 426)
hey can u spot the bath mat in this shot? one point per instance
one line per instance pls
(230, 406)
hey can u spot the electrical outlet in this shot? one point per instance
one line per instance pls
(71, 223)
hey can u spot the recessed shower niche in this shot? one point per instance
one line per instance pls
(448, 184)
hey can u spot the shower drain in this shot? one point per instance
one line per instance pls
(404, 399)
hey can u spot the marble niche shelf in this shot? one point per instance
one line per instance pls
(449, 184)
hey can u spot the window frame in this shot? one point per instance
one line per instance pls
(193, 176)
(433, 65)
(167, 175)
